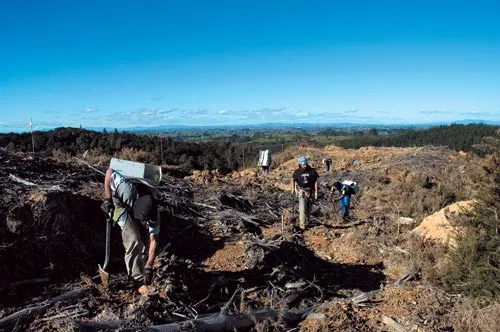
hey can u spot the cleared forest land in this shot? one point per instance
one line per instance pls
(232, 258)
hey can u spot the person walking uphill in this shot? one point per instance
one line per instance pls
(305, 184)
(327, 162)
(344, 198)
(128, 203)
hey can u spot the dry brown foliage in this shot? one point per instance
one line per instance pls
(472, 315)
(59, 155)
(133, 155)
(429, 257)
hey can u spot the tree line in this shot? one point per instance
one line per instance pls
(224, 154)
(456, 136)
(231, 153)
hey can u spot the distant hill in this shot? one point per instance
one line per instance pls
(471, 121)
(270, 125)
(232, 147)
(317, 126)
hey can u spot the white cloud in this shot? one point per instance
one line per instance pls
(279, 110)
(302, 115)
(330, 115)
(154, 111)
(476, 113)
(435, 112)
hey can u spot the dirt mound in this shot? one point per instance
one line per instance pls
(57, 235)
(438, 225)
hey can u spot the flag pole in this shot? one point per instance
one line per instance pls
(32, 138)
(161, 146)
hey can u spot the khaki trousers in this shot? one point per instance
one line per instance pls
(304, 209)
(133, 246)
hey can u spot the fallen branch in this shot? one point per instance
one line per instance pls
(393, 324)
(92, 167)
(109, 325)
(395, 249)
(220, 322)
(65, 315)
(31, 184)
(210, 322)
(298, 284)
(25, 282)
(30, 312)
(312, 284)
(225, 308)
(405, 278)
(22, 181)
(206, 205)
(195, 212)
(364, 297)
(315, 315)
(231, 213)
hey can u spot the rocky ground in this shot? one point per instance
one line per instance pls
(231, 257)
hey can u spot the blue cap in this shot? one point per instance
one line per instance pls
(303, 160)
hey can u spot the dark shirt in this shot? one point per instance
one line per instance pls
(145, 207)
(347, 190)
(305, 177)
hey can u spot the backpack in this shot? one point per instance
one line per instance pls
(138, 173)
(264, 158)
(353, 184)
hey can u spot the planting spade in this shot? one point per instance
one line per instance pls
(102, 269)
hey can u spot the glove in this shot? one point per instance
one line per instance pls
(107, 206)
(148, 271)
(315, 195)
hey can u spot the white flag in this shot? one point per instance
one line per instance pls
(31, 125)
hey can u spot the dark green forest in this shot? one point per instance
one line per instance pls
(223, 154)
(233, 152)
(456, 137)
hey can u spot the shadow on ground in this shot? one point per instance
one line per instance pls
(271, 270)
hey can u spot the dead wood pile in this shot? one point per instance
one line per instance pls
(51, 233)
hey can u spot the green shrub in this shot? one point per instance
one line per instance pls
(473, 266)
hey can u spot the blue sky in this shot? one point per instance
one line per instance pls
(127, 63)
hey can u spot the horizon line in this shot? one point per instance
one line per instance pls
(269, 125)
